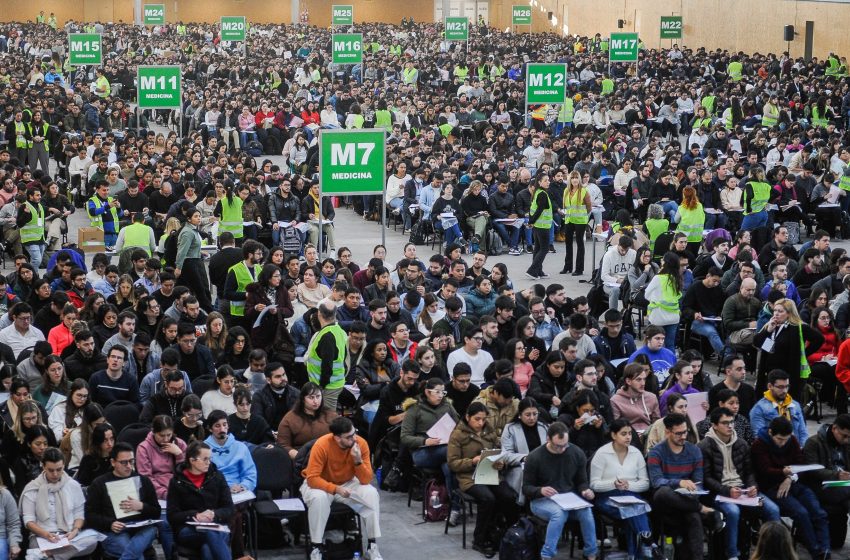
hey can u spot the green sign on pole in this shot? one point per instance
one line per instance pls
(233, 28)
(342, 15)
(352, 162)
(671, 27)
(521, 15)
(623, 48)
(154, 14)
(545, 83)
(85, 48)
(159, 87)
(457, 29)
(347, 48)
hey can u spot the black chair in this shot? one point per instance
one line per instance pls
(203, 384)
(421, 475)
(121, 414)
(274, 481)
(342, 518)
(466, 502)
(135, 433)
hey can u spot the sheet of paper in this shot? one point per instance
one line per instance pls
(210, 526)
(742, 501)
(290, 504)
(262, 315)
(163, 504)
(616, 363)
(694, 493)
(587, 418)
(120, 490)
(570, 501)
(626, 500)
(44, 545)
(243, 496)
(485, 471)
(496, 457)
(695, 410)
(442, 430)
(797, 469)
(144, 523)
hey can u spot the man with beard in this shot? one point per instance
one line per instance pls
(86, 359)
(277, 397)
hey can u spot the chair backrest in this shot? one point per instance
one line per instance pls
(134, 433)
(202, 384)
(121, 414)
(274, 470)
(662, 244)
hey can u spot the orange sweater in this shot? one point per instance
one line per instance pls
(330, 465)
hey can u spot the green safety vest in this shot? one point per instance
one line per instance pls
(575, 212)
(736, 71)
(817, 119)
(844, 181)
(496, 71)
(102, 82)
(545, 220)
(314, 362)
(832, 69)
(138, 235)
(655, 227)
(395, 50)
(275, 81)
(33, 231)
(708, 103)
(607, 86)
(408, 75)
(231, 217)
(567, 112)
(805, 368)
(706, 122)
(383, 119)
(358, 121)
(692, 222)
(669, 296)
(769, 119)
(45, 128)
(97, 220)
(603, 46)
(181, 29)
(461, 72)
(243, 278)
(761, 194)
(39, 18)
(20, 135)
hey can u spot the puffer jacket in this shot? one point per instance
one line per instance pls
(420, 417)
(478, 305)
(543, 386)
(284, 209)
(497, 417)
(464, 446)
(157, 465)
(712, 457)
(366, 377)
(185, 499)
(822, 449)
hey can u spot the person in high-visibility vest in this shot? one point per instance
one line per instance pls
(102, 88)
(820, 113)
(229, 212)
(240, 275)
(30, 222)
(664, 293)
(607, 85)
(325, 357)
(103, 213)
(39, 146)
(21, 145)
(410, 75)
(756, 196)
(137, 235)
(735, 69)
(540, 219)
(565, 115)
(576, 209)
(832, 65)
(691, 218)
(655, 223)
(770, 112)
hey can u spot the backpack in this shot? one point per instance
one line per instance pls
(793, 232)
(254, 148)
(300, 462)
(434, 488)
(418, 234)
(495, 246)
(519, 542)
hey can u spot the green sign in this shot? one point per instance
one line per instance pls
(85, 48)
(521, 15)
(623, 47)
(158, 87)
(352, 161)
(347, 48)
(545, 83)
(233, 28)
(342, 15)
(457, 29)
(154, 14)
(671, 27)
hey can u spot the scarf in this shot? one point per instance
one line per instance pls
(782, 408)
(64, 516)
(317, 206)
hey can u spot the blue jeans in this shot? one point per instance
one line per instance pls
(715, 221)
(36, 253)
(803, 507)
(214, 545)
(732, 512)
(709, 331)
(451, 234)
(670, 336)
(755, 220)
(509, 238)
(634, 526)
(4, 548)
(166, 536)
(434, 457)
(557, 517)
(110, 238)
(129, 544)
(670, 209)
(244, 135)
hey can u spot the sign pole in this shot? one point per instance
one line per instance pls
(384, 196)
(319, 248)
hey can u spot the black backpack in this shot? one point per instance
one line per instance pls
(519, 542)
(418, 233)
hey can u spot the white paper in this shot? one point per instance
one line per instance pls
(243, 496)
(716, 319)
(694, 493)
(163, 504)
(832, 362)
(626, 500)
(145, 523)
(485, 471)
(262, 315)
(588, 418)
(44, 545)
(210, 527)
(742, 501)
(289, 504)
(797, 469)
(316, 222)
(695, 410)
(120, 490)
(616, 363)
(570, 501)
(442, 430)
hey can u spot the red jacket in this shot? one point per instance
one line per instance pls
(829, 346)
(842, 368)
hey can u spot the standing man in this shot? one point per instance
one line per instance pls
(239, 276)
(340, 470)
(556, 468)
(123, 542)
(137, 235)
(540, 219)
(325, 358)
(30, 222)
(103, 213)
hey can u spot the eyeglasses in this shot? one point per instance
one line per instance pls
(681, 434)
(440, 393)
(126, 462)
(478, 338)
(727, 422)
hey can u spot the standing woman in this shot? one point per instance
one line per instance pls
(189, 269)
(470, 437)
(663, 294)
(691, 217)
(68, 415)
(619, 469)
(785, 342)
(267, 292)
(577, 207)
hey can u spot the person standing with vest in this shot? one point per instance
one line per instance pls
(239, 276)
(576, 209)
(229, 212)
(103, 213)
(30, 222)
(540, 219)
(325, 358)
(39, 146)
(756, 195)
(21, 145)
(691, 218)
(410, 75)
(102, 88)
(190, 271)
(664, 293)
(138, 235)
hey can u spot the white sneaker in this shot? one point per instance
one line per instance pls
(316, 554)
(454, 517)
(373, 553)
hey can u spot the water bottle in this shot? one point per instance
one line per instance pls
(379, 475)
(435, 500)
(669, 549)
(356, 556)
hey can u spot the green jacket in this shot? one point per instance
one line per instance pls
(420, 417)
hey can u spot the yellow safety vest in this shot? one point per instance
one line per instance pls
(545, 220)
(565, 115)
(138, 235)
(103, 83)
(844, 181)
(669, 296)
(656, 227)
(607, 86)
(761, 194)
(243, 278)
(231, 217)
(43, 134)
(818, 119)
(575, 212)
(770, 115)
(409, 76)
(314, 362)
(33, 231)
(736, 71)
(96, 220)
(692, 222)
(20, 135)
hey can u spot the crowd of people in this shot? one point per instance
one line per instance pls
(703, 172)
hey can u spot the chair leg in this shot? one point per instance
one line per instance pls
(463, 522)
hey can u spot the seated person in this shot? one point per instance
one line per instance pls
(525, 434)
(830, 447)
(251, 429)
(54, 503)
(632, 402)
(28, 466)
(676, 404)
(113, 383)
(730, 399)
(340, 470)
(190, 426)
(220, 396)
(97, 461)
(307, 420)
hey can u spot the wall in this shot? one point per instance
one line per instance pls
(388, 11)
